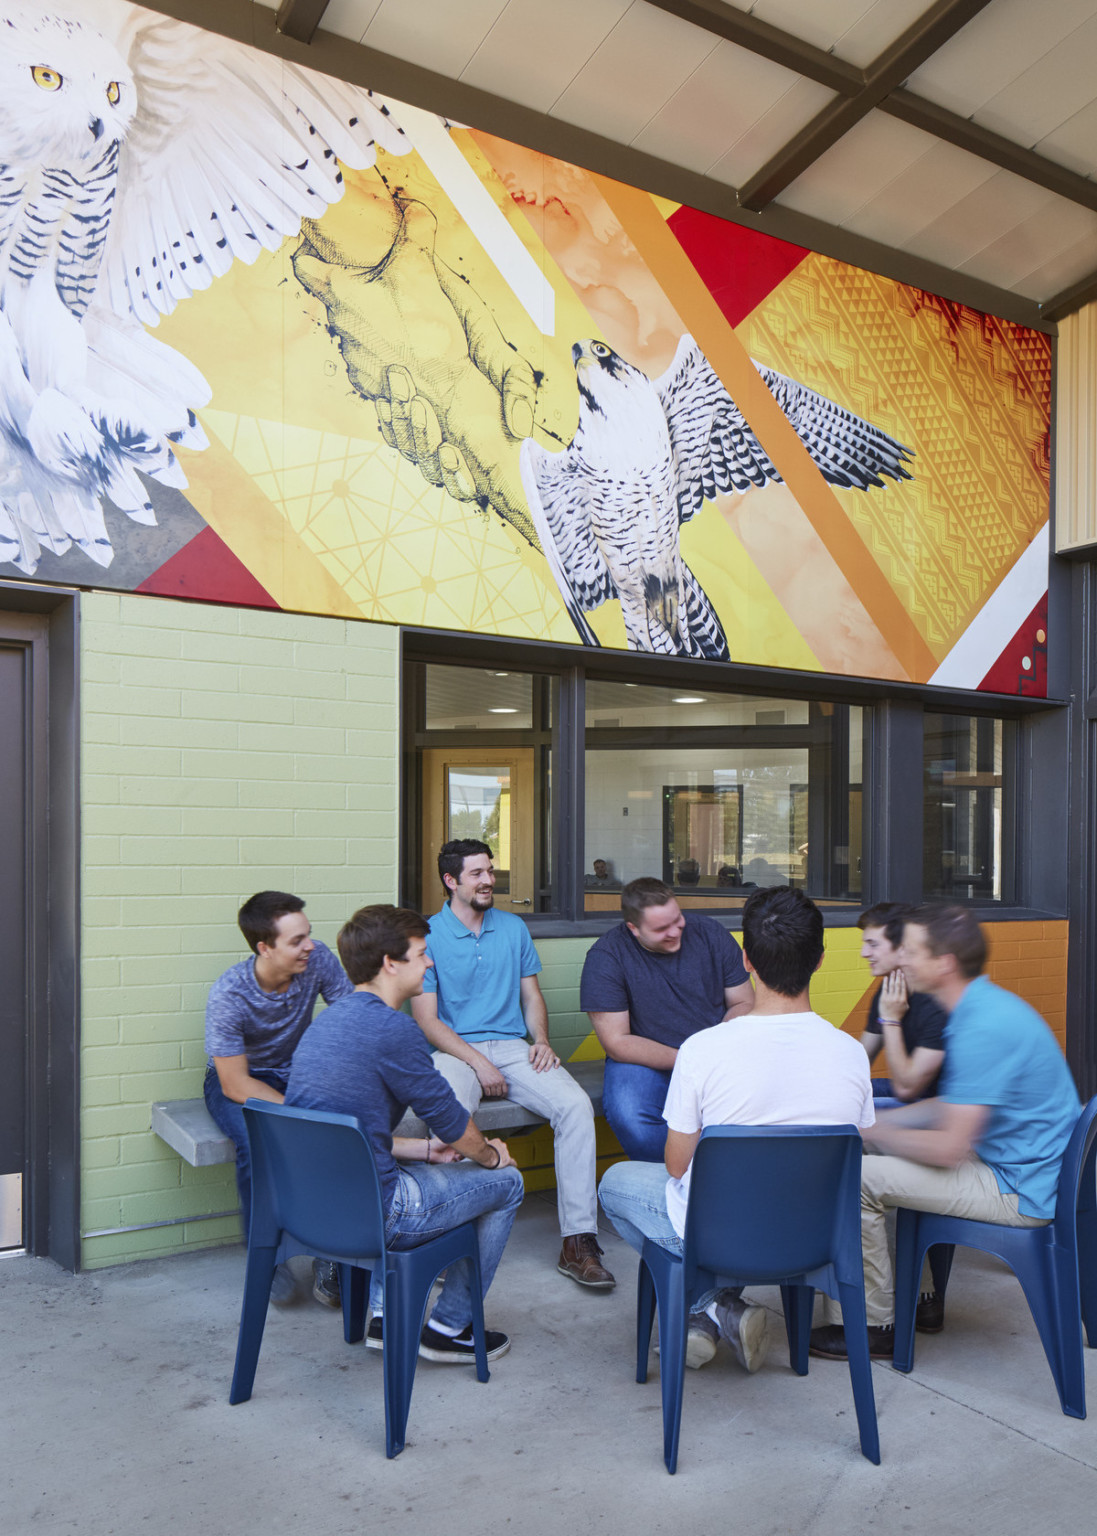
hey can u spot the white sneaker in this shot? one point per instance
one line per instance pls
(700, 1340)
(746, 1330)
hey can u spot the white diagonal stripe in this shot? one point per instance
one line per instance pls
(998, 620)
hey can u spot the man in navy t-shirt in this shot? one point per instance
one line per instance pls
(657, 978)
(909, 1025)
(364, 1058)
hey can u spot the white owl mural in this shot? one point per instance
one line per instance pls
(139, 158)
(644, 458)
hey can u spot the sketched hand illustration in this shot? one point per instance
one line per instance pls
(451, 394)
(139, 158)
(646, 455)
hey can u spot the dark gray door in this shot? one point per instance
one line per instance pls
(14, 1000)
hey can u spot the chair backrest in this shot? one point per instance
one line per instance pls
(313, 1175)
(770, 1201)
(1079, 1155)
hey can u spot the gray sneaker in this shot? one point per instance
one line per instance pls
(700, 1340)
(325, 1283)
(283, 1287)
(745, 1328)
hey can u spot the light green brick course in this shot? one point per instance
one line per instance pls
(215, 761)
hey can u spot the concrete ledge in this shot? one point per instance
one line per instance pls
(187, 1126)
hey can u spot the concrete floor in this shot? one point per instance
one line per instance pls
(116, 1419)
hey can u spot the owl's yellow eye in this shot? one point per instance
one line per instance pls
(114, 92)
(47, 78)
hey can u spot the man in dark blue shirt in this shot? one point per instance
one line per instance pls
(909, 1025)
(657, 978)
(363, 1058)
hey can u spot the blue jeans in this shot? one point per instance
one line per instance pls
(230, 1118)
(632, 1102)
(434, 1198)
(634, 1197)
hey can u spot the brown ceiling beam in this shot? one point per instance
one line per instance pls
(299, 19)
(1076, 297)
(910, 50)
(965, 134)
(769, 42)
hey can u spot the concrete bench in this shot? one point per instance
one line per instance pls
(188, 1128)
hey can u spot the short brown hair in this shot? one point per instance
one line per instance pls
(952, 930)
(376, 934)
(888, 915)
(643, 892)
(259, 917)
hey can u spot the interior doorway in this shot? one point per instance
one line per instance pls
(487, 794)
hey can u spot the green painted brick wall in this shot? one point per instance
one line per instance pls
(224, 750)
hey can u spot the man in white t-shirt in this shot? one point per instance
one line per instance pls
(780, 1064)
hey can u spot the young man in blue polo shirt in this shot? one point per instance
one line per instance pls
(990, 1145)
(482, 1010)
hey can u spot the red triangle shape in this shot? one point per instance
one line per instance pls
(206, 569)
(740, 266)
(1022, 666)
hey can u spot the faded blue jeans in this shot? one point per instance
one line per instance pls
(432, 1198)
(634, 1197)
(632, 1101)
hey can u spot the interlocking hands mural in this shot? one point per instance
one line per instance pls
(267, 338)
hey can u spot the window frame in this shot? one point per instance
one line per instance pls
(892, 758)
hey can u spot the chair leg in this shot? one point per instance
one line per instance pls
(645, 1316)
(253, 1317)
(1049, 1281)
(353, 1286)
(798, 1302)
(1087, 1271)
(852, 1298)
(476, 1300)
(673, 1325)
(403, 1325)
(909, 1253)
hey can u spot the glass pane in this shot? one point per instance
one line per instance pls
(963, 758)
(478, 804)
(627, 705)
(473, 699)
(717, 822)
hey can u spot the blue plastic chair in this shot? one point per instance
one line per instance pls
(1056, 1265)
(776, 1205)
(315, 1190)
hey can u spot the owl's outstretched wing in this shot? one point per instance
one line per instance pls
(557, 489)
(716, 450)
(229, 150)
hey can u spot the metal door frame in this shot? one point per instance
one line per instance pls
(44, 622)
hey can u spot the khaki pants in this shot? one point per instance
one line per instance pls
(971, 1191)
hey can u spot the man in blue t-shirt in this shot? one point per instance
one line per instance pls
(364, 1058)
(657, 978)
(478, 1006)
(256, 1013)
(990, 1145)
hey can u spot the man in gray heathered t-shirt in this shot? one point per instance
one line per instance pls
(257, 1012)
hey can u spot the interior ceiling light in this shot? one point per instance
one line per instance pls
(500, 710)
(689, 698)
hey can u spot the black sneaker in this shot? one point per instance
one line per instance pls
(929, 1315)
(375, 1333)
(325, 1283)
(460, 1350)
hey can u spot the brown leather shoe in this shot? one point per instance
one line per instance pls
(580, 1258)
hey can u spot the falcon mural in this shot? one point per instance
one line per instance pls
(645, 457)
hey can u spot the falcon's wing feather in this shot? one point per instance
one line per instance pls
(228, 151)
(557, 488)
(716, 450)
(848, 450)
